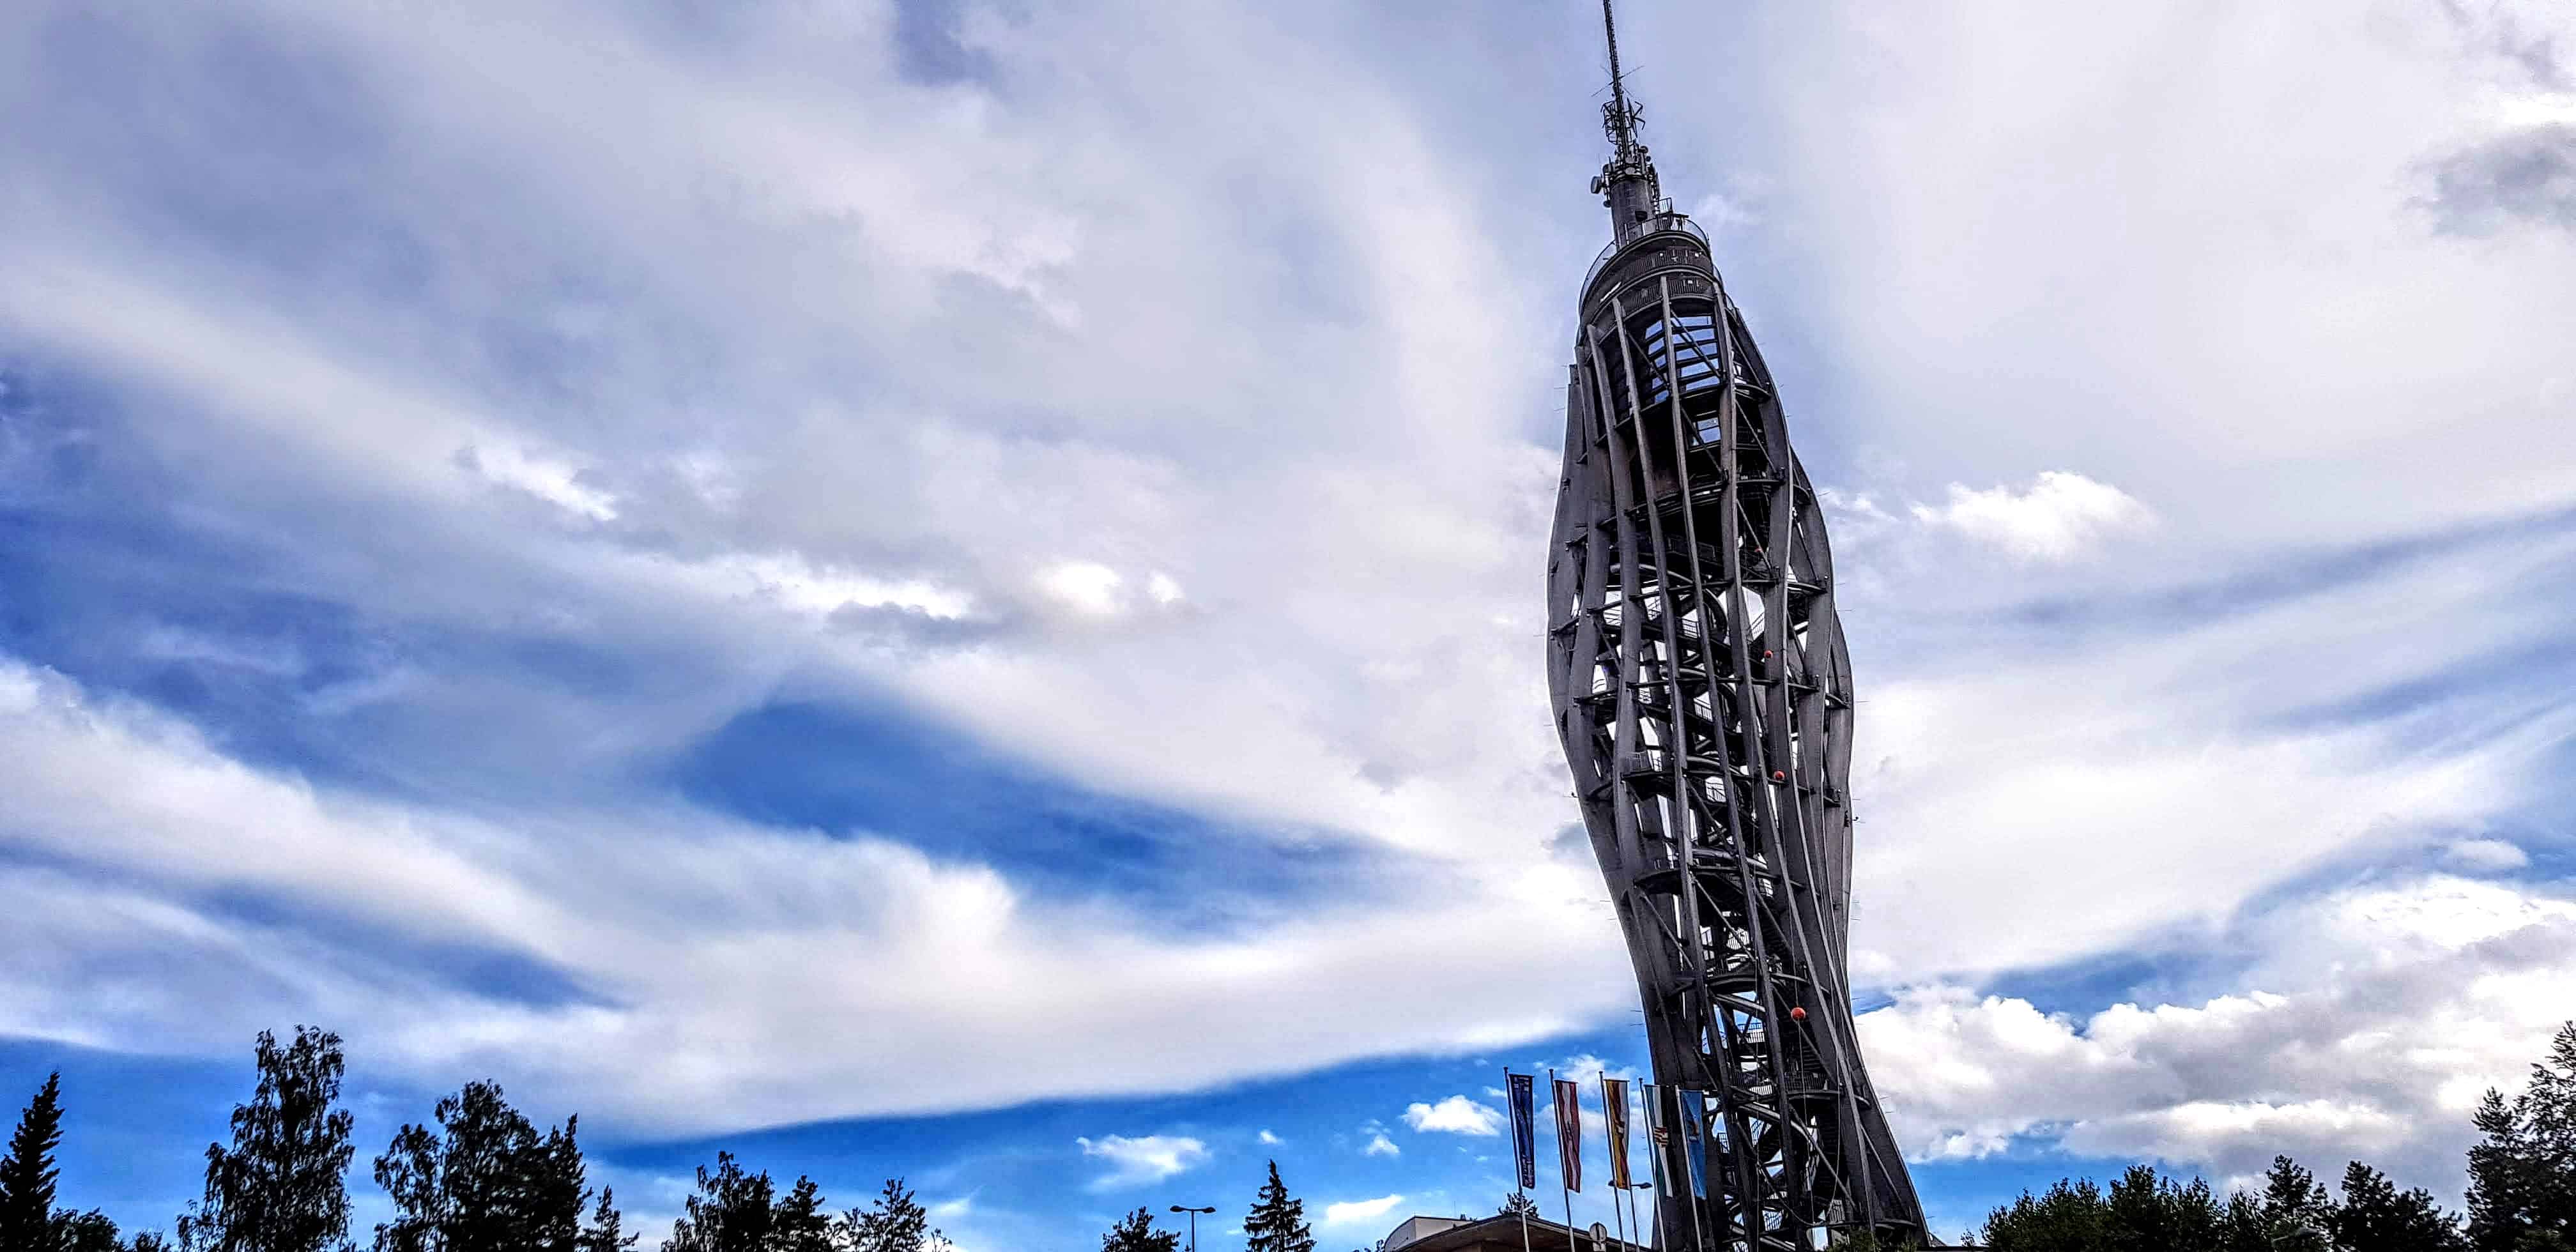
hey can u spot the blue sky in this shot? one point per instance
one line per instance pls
(952, 588)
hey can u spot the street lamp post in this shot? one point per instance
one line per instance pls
(1194, 1222)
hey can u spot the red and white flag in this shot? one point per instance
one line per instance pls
(1569, 1131)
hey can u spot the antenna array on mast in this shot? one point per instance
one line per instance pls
(1620, 117)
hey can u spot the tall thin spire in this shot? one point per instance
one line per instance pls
(1618, 117)
(1628, 182)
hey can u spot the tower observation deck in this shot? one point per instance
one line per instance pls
(1703, 692)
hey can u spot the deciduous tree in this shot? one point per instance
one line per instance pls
(281, 1186)
(1135, 1233)
(731, 1211)
(482, 1178)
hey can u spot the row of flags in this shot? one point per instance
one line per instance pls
(1673, 1114)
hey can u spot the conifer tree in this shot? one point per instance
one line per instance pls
(1135, 1233)
(730, 1211)
(2146, 1212)
(2376, 1217)
(798, 1222)
(607, 1229)
(281, 1186)
(558, 1185)
(2298, 1214)
(2522, 1174)
(1277, 1223)
(28, 1173)
(2069, 1217)
(1517, 1204)
(893, 1222)
(2241, 1228)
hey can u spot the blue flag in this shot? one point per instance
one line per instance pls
(1524, 1100)
(1694, 1132)
(1659, 1131)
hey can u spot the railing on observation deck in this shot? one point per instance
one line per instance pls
(1660, 222)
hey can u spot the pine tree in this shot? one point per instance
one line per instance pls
(2298, 1214)
(1517, 1204)
(558, 1184)
(798, 1222)
(282, 1185)
(27, 1174)
(2146, 1212)
(2522, 1175)
(2376, 1217)
(1135, 1233)
(1276, 1222)
(2069, 1217)
(2241, 1228)
(607, 1229)
(893, 1222)
(730, 1212)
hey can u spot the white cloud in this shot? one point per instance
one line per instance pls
(1151, 1158)
(1270, 1140)
(2489, 855)
(1456, 1115)
(1355, 1212)
(1380, 1145)
(805, 958)
(2059, 517)
(2327, 1060)
(1086, 586)
(552, 481)
(852, 364)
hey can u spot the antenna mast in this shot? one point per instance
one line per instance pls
(1628, 182)
(1618, 118)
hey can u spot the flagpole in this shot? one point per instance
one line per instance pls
(1609, 1128)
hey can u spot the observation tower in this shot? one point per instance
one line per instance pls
(1703, 693)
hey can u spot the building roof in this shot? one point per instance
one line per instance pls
(1494, 1234)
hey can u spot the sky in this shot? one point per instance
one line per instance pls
(953, 589)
